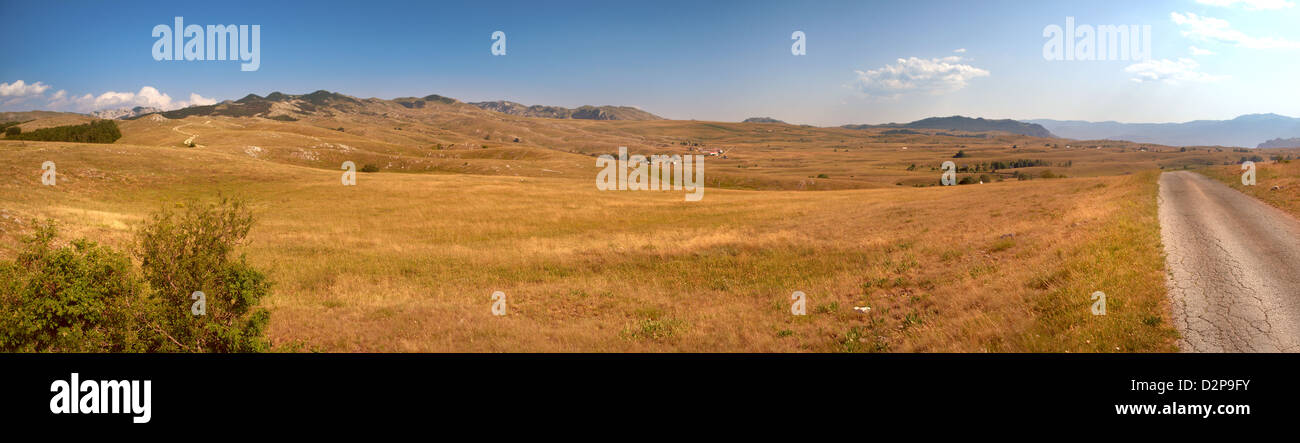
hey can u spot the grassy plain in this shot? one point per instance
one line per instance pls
(407, 259)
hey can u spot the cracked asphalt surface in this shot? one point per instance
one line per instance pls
(1233, 267)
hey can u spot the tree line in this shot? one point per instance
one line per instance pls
(99, 131)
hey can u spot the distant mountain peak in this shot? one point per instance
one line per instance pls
(1261, 117)
(125, 113)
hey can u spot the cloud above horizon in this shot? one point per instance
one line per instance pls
(931, 76)
(1253, 5)
(147, 96)
(22, 89)
(1169, 71)
(1211, 29)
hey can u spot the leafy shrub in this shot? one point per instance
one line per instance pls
(191, 250)
(369, 168)
(82, 297)
(12, 131)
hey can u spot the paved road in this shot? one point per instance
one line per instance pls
(1234, 267)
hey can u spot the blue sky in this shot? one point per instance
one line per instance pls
(707, 60)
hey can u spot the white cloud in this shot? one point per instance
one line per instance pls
(934, 76)
(1169, 71)
(1217, 30)
(1199, 51)
(198, 100)
(960, 50)
(1252, 5)
(20, 89)
(149, 96)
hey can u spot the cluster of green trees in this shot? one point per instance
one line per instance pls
(98, 131)
(1020, 163)
(999, 165)
(80, 296)
(11, 128)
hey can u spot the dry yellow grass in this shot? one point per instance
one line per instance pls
(407, 262)
(1284, 176)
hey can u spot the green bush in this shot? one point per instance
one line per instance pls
(369, 168)
(191, 250)
(79, 297)
(82, 297)
(12, 131)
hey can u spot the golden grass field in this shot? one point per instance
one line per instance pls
(407, 259)
(1283, 175)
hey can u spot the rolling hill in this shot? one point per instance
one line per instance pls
(467, 201)
(960, 123)
(1281, 143)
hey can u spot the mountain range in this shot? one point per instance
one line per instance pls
(1251, 130)
(281, 106)
(125, 113)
